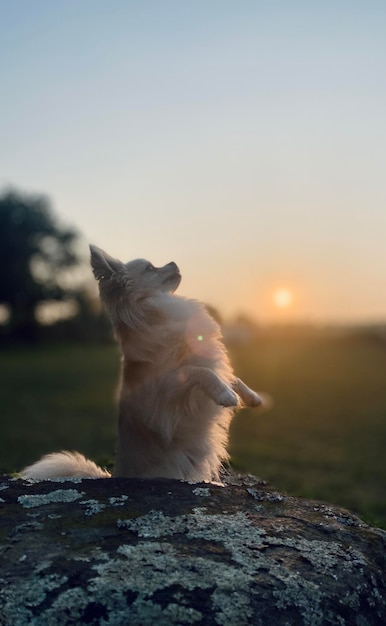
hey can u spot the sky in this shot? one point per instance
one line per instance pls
(244, 140)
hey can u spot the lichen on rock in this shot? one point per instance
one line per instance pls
(59, 495)
(140, 552)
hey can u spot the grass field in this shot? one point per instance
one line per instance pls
(324, 438)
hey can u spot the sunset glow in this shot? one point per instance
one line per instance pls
(238, 147)
(282, 298)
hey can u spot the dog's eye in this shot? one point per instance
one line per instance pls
(150, 268)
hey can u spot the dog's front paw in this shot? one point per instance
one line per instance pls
(252, 399)
(227, 398)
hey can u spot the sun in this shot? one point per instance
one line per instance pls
(282, 298)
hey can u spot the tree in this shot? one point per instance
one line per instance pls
(35, 252)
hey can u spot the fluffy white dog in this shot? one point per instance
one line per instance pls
(178, 391)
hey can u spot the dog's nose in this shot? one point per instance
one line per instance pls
(173, 266)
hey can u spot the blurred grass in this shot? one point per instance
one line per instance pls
(58, 397)
(324, 438)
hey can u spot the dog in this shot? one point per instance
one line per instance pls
(178, 391)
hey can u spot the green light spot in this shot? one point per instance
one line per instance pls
(200, 337)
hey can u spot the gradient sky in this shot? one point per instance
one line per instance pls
(244, 140)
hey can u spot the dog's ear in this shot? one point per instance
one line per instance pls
(103, 265)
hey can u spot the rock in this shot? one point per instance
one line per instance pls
(144, 552)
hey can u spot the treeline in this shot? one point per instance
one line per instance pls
(46, 289)
(45, 285)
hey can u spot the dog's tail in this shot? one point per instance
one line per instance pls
(63, 465)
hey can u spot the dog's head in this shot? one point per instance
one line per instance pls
(138, 276)
(134, 296)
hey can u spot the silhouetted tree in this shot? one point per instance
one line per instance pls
(34, 253)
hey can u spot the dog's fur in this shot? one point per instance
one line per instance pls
(178, 391)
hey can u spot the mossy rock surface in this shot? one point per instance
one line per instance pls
(145, 552)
